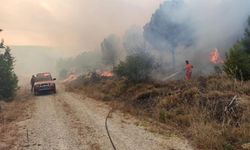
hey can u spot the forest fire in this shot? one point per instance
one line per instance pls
(215, 57)
(107, 74)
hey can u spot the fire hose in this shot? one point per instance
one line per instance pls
(171, 76)
(106, 126)
(174, 74)
(106, 120)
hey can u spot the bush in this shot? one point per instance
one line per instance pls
(8, 78)
(136, 68)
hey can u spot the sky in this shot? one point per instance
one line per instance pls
(70, 24)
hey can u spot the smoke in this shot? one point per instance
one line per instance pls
(134, 42)
(41, 31)
(218, 23)
(166, 31)
(110, 48)
(31, 60)
(213, 24)
(82, 26)
(82, 63)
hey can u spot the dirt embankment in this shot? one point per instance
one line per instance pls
(205, 107)
(12, 115)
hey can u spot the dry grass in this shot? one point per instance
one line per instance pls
(10, 114)
(194, 108)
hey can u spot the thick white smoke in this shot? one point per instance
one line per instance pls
(217, 22)
(214, 24)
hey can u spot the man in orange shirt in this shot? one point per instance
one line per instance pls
(189, 68)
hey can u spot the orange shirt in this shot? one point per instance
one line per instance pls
(189, 67)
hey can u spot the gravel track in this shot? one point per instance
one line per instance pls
(68, 121)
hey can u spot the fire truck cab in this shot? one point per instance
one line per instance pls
(44, 83)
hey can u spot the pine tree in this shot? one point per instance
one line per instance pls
(8, 78)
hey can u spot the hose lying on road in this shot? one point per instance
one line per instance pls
(106, 125)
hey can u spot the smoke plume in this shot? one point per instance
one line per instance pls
(134, 42)
(207, 24)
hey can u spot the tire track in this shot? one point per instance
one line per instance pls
(48, 129)
(83, 130)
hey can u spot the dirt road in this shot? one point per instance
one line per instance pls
(68, 121)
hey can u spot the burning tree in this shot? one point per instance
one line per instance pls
(215, 57)
(165, 32)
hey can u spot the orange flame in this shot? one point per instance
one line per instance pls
(107, 74)
(215, 57)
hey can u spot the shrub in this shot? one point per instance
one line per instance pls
(136, 68)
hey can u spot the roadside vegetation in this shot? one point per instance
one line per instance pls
(13, 100)
(11, 116)
(211, 111)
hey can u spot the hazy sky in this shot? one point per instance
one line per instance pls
(79, 24)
